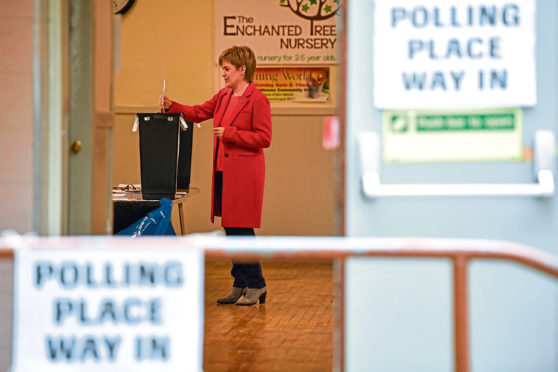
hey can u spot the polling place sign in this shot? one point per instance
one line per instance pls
(454, 53)
(95, 309)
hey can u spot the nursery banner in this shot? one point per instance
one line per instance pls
(279, 31)
(454, 53)
(310, 84)
(95, 309)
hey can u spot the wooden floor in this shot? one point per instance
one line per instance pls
(292, 332)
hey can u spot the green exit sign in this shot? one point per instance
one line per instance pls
(452, 135)
(504, 121)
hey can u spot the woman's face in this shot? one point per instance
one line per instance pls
(231, 74)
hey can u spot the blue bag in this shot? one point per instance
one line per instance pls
(157, 222)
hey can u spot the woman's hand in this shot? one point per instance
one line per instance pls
(165, 102)
(219, 132)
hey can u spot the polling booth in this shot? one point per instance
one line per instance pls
(451, 132)
(165, 151)
(159, 153)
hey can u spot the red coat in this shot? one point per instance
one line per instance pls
(244, 139)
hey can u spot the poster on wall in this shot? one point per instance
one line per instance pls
(414, 136)
(293, 84)
(454, 53)
(284, 32)
(108, 308)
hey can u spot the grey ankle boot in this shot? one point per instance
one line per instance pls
(252, 296)
(235, 294)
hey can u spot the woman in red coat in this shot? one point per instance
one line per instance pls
(242, 129)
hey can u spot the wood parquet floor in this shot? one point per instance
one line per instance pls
(292, 332)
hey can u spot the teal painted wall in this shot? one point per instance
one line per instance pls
(514, 311)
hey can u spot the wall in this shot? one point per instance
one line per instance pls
(103, 119)
(16, 142)
(513, 309)
(175, 42)
(16, 126)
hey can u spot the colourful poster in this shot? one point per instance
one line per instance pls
(299, 84)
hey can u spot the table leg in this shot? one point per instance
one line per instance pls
(181, 219)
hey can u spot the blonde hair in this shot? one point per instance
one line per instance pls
(240, 56)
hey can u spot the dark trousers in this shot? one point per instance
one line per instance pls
(245, 274)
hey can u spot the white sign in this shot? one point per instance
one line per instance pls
(279, 31)
(99, 309)
(454, 53)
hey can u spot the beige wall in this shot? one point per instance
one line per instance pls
(171, 39)
(16, 143)
(103, 119)
(16, 126)
(175, 42)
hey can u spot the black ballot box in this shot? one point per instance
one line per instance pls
(165, 155)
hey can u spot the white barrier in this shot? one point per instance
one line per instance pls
(63, 265)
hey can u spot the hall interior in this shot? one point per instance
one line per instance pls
(294, 330)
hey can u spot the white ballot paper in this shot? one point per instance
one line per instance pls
(164, 85)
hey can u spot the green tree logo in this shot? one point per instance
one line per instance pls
(312, 10)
